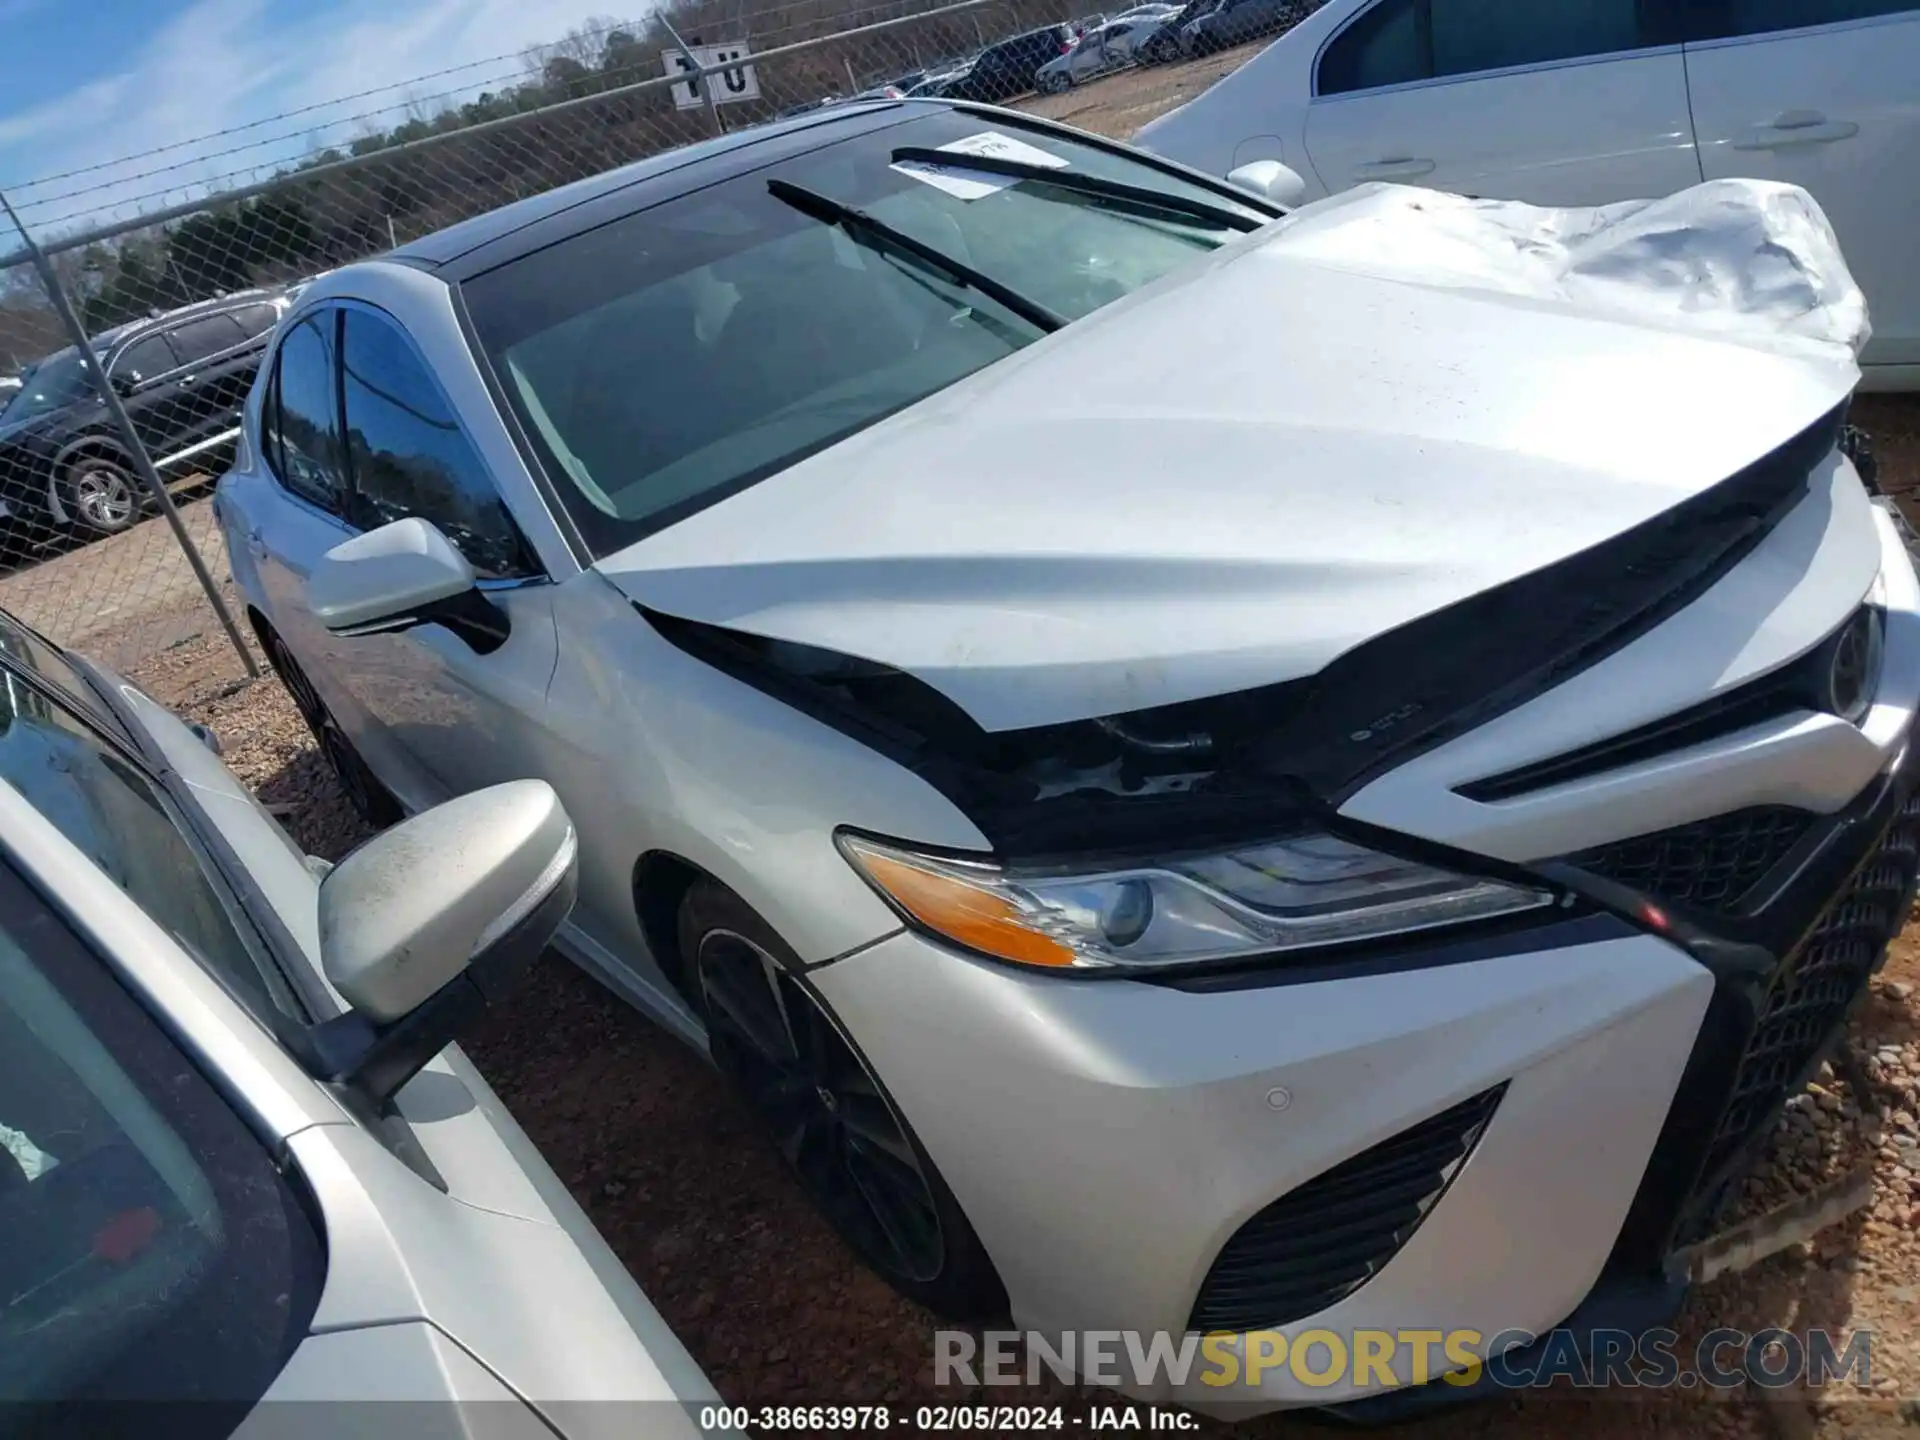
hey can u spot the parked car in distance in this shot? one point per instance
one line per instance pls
(241, 1158)
(1234, 22)
(936, 83)
(1109, 46)
(1007, 68)
(1588, 104)
(1023, 835)
(182, 377)
(1163, 45)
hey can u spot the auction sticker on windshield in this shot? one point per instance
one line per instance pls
(966, 184)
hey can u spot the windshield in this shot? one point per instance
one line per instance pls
(57, 381)
(673, 357)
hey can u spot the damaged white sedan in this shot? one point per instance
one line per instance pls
(1201, 770)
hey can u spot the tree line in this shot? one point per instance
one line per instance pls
(348, 201)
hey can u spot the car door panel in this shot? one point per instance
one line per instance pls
(458, 720)
(1835, 109)
(1576, 104)
(1586, 133)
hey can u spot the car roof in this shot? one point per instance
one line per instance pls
(473, 245)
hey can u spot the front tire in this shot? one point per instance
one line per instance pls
(101, 494)
(826, 1111)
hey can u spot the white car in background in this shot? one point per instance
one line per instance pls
(1584, 104)
(241, 1164)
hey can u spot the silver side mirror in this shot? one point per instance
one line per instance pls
(429, 924)
(1270, 179)
(399, 576)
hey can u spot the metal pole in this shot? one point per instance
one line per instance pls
(142, 462)
(703, 80)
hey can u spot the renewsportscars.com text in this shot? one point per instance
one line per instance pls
(1325, 1359)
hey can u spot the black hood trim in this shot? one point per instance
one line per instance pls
(1256, 762)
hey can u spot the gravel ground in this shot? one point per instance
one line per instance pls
(778, 1312)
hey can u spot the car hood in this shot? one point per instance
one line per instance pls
(1231, 478)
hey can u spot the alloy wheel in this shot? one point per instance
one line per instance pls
(103, 495)
(830, 1119)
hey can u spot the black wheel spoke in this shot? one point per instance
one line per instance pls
(739, 995)
(822, 1107)
(869, 1125)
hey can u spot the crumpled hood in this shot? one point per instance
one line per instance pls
(1231, 478)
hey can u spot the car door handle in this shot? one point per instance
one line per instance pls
(256, 546)
(1406, 167)
(1796, 127)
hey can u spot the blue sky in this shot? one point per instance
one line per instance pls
(85, 82)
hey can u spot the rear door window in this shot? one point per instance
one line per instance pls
(301, 424)
(144, 359)
(1473, 35)
(1385, 46)
(206, 337)
(1399, 41)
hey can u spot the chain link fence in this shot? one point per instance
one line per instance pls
(176, 262)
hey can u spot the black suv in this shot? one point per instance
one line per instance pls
(1006, 69)
(183, 377)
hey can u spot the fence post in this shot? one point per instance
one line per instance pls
(700, 78)
(142, 462)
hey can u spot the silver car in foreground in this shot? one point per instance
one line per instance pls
(244, 1177)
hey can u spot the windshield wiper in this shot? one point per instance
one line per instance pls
(1117, 191)
(879, 233)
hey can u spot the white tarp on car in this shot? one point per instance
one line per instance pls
(1748, 260)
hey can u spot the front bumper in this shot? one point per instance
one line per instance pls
(1106, 1139)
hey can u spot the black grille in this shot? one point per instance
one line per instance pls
(1710, 865)
(1323, 1240)
(1811, 993)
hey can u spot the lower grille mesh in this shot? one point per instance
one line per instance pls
(1812, 991)
(1710, 865)
(1323, 1240)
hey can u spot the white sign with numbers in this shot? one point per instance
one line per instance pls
(736, 82)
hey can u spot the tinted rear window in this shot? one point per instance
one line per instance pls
(673, 357)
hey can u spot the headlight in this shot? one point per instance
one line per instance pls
(1280, 895)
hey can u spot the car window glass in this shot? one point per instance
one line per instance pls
(119, 819)
(1717, 19)
(144, 359)
(670, 358)
(1473, 35)
(1385, 46)
(26, 650)
(58, 380)
(209, 335)
(408, 454)
(152, 1252)
(256, 320)
(306, 430)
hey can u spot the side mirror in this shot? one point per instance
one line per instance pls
(1269, 178)
(399, 576)
(432, 923)
(123, 383)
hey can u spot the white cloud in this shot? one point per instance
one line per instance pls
(223, 64)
